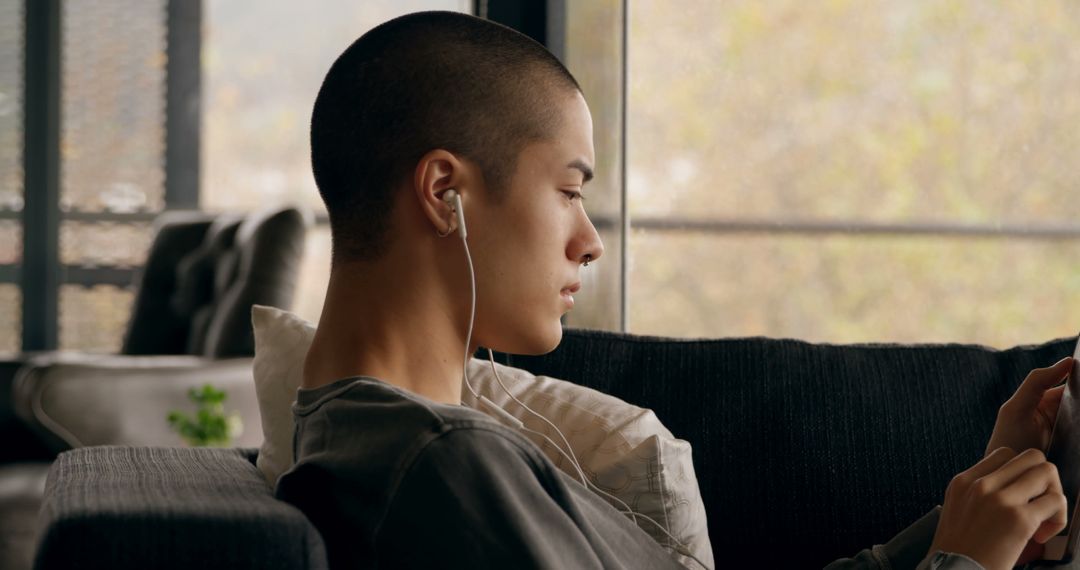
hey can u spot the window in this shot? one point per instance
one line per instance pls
(853, 171)
(263, 64)
(11, 179)
(838, 172)
(112, 162)
(594, 54)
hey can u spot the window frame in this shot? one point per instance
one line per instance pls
(39, 273)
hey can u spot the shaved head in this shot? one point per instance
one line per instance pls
(424, 81)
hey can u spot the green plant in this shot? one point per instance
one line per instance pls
(210, 426)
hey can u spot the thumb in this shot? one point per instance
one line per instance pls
(1039, 381)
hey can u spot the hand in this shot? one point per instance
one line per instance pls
(992, 510)
(1026, 420)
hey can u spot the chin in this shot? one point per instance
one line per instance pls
(533, 341)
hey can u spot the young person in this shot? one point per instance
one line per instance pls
(391, 468)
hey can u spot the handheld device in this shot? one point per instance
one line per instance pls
(1064, 452)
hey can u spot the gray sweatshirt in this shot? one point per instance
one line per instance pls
(908, 549)
(394, 480)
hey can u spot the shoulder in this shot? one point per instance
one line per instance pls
(367, 429)
(477, 463)
(480, 442)
(377, 399)
(368, 410)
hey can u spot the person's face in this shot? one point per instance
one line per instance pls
(534, 242)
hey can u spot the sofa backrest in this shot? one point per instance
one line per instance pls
(805, 451)
(814, 450)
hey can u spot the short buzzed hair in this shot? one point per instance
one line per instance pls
(416, 83)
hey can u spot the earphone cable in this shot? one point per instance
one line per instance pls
(681, 547)
(571, 457)
(575, 462)
(472, 315)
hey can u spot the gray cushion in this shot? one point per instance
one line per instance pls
(163, 507)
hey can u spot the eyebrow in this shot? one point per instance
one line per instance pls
(584, 168)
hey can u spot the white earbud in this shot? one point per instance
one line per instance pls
(454, 199)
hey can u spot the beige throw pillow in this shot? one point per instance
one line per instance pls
(281, 343)
(623, 449)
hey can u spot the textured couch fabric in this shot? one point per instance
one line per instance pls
(159, 507)
(810, 450)
(806, 451)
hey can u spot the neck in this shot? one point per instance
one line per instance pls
(410, 334)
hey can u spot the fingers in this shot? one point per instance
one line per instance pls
(989, 464)
(1033, 485)
(1041, 479)
(1055, 394)
(1008, 472)
(1040, 380)
(1051, 511)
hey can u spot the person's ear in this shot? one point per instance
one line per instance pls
(437, 172)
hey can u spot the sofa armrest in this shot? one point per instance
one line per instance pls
(75, 399)
(160, 507)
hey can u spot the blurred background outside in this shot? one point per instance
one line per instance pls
(836, 171)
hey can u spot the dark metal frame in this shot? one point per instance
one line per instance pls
(541, 20)
(40, 275)
(41, 272)
(183, 103)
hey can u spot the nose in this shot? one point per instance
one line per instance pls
(587, 246)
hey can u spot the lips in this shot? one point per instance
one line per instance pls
(567, 293)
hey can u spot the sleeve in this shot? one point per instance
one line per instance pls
(908, 550)
(476, 498)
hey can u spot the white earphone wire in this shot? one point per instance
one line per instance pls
(681, 547)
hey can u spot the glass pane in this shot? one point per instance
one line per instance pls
(113, 106)
(314, 275)
(11, 93)
(11, 246)
(11, 316)
(93, 319)
(598, 304)
(263, 63)
(927, 112)
(945, 110)
(11, 171)
(991, 291)
(105, 243)
(594, 56)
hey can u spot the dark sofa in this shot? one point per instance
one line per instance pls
(804, 452)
